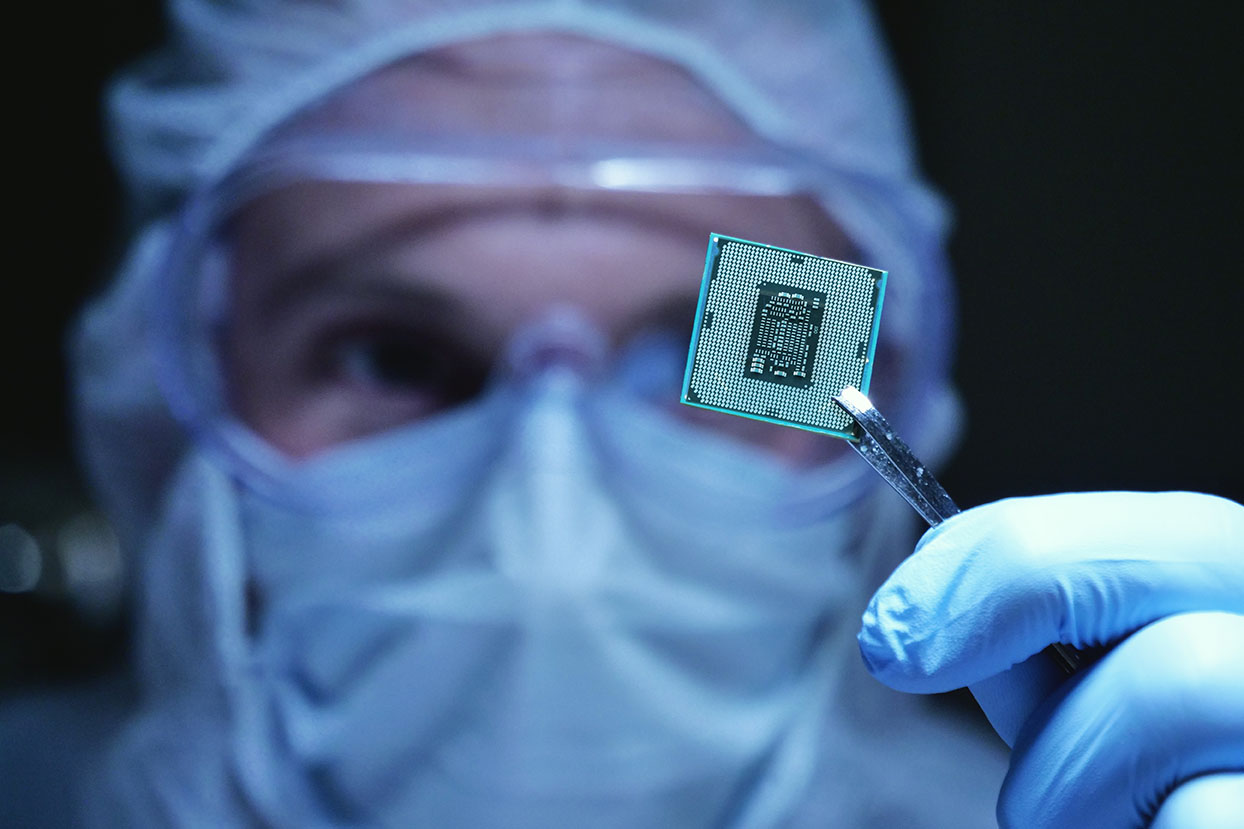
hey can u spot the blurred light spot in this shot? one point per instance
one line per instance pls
(21, 560)
(90, 558)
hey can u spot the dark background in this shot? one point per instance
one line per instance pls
(1091, 150)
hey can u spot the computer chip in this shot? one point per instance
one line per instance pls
(778, 333)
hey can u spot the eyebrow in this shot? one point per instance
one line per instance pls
(319, 280)
(374, 298)
(359, 272)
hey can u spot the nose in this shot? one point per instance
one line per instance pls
(561, 337)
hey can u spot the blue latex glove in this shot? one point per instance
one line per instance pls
(1159, 577)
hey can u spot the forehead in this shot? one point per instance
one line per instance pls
(550, 87)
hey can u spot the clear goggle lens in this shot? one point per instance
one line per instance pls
(391, 366)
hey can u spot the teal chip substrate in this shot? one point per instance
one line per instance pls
(778, 333)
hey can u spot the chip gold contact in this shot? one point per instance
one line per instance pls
(778, 333)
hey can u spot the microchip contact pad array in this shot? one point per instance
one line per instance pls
(778, 333)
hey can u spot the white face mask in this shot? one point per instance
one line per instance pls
(554, 605)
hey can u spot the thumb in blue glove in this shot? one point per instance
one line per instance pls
(1158, 576)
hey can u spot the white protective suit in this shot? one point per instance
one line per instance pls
(221, 736)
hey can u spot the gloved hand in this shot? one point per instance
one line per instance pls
(1150, 735)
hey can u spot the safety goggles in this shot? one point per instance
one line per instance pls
(195, 302)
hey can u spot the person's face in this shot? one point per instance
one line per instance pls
(359, 307)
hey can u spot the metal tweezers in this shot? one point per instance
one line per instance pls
(886, 452)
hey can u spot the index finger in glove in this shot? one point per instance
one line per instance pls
(996, 584)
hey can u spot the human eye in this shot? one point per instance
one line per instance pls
(394, 361)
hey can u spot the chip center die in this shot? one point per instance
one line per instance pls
(785, 329)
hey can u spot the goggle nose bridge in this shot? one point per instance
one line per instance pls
(561, 337)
